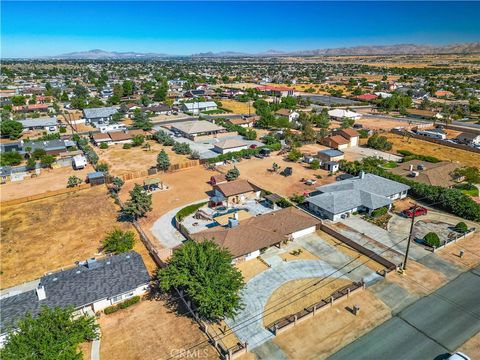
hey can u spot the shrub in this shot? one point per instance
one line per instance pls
(461, 227)
(127, 146)
(118, 241)
(432, 239)
(63, 130)
(188, 210)
(104, 146)
(232, 174)
(138, 140)
(379, 143)
(284, 203)
(10, 158)
(129, 302)
(103, 167)
(315, 165)
(379, 212)
(299, 199)
(111, 309)
(294, 155)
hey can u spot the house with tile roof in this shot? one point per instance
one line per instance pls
(436, 174)
(195, 128)
(364, 193)
(235, 192)
(245, 238)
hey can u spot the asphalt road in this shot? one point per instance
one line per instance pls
(428, 329)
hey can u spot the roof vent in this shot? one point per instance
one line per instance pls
(91, 262)
(55, 279)
(108, 262)
(78, 271)
(41, 294)
(128, 256)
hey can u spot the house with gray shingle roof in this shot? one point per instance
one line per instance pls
(98, 116)
(92, 285)
(364, 193)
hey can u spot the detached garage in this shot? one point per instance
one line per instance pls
(229, 145)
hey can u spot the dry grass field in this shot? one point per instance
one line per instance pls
(238, 107)
(442, 152)
(122, 161)
(322, 335)
(256, 171)
(52, 233)
(306, 292)
(185, 187)
(49, 180)
(151, 330)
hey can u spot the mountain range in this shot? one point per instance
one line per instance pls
(399, 49)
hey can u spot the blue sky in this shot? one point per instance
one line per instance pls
(38, 28)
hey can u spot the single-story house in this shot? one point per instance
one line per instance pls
(336, 142)
(30, 108)
(351, 135)
(51, 147)
(160, 109)
(290, 114)
(229, 145)
(198, 107)
(99, 138)
(364, 193)
(245, 239)
(46, 123)
(236, 192)
(330, 155)
(420, 114)
(278, 91)
(366, 97)
(340, 114)
(195, 128)
(436, 174)
(89, 287)
(469, 138)
(99, 116)
(194, 93)
(246, 122)
(120, 137)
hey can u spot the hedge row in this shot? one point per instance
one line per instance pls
(449, 199)
(122, 305)
(408, 155)
(379, 212)
(242, 153)
(188, 210)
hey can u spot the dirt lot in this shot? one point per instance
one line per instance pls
(380, 124)
(122, 161)
(251, 268)
(277, 308)
(322, 335)
(471, 248)
(237, 107)
(256, 171)
(51, 233)
(151, 330)
(49, 180)
(442, 152)
(185, 187)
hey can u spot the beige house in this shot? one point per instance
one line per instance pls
(236, 192)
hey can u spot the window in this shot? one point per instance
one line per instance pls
(116, 298)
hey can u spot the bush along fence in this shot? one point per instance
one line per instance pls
(450, 240)
(290, 321)
(449, 199)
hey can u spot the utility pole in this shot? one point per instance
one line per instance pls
(410, 236)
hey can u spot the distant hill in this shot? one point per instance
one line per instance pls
(400, 49)
(98, 54)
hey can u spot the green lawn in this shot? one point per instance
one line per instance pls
(468, 190)
(390, 165)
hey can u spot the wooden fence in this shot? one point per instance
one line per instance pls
(152, 171)
(44, 195)
(290, 321)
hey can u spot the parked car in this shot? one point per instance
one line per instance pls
(253, 146)
(260, 156)
(265, 152)
(310, 182)
(458, 356)
(288, 171)
(418, 211)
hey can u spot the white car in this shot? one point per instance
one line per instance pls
(458, 356)
(310, 182)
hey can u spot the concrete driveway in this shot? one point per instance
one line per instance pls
(248, 324)
(358, 153)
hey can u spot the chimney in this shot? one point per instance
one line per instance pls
(361, 175)
(41, 293)
(232, 223)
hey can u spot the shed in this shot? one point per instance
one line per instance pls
(96, 178)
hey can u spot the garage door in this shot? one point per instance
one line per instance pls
(303, 232)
